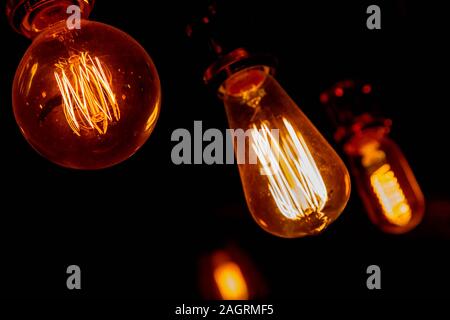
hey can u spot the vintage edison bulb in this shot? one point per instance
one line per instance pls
(86, 98)
(385, 181)
(296, 184)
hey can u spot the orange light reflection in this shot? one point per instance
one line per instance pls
(230, 281)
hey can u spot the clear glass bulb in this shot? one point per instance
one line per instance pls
(86, 98)
(298, 185)
(385, 181)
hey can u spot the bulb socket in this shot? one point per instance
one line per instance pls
(31, 17)
(233, 62)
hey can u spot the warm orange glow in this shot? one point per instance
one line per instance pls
(88, 100)
(294, 179)
(83, 103)
(230, 281)
(296, 185)
(385, 185)
(392, 199)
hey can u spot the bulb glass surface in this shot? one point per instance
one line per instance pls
(298, 185)
(87, 98)
(385, 182)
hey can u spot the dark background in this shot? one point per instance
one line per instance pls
(144, 233)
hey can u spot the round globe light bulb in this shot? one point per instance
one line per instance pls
(85, 98)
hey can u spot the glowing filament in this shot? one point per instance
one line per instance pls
(230, 282)
(391, 197)
(88, 100)
(295, 182)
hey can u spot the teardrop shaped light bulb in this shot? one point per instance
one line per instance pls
(84, 98)
(298, 185)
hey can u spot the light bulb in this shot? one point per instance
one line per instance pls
(85, 98)
(229, 278)
(298, 185)
(384, 179)
(229, 274)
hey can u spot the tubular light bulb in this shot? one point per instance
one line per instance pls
(298, 185)
(385, 182)
(384, 179)
(85, 98)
